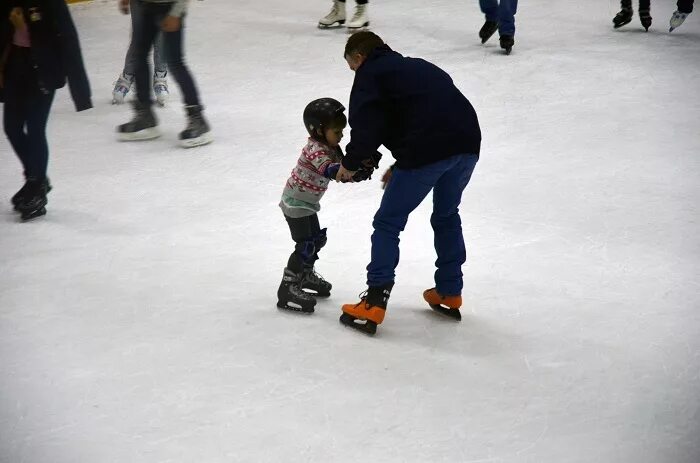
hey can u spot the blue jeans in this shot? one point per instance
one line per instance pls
(159, 64)
(404, 192)
(502, 12)
(144, 36)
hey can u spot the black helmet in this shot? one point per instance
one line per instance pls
(321, 114)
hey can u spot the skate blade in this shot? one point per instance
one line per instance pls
(335, 25)
(316, 293)
(295, 308)
(141, 135)
(29, 215)
(364, 27)
(617, 26)
(454, 314)
(202, 140)
(364, 326)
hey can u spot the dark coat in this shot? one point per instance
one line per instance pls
(410, 106)
(55, 49)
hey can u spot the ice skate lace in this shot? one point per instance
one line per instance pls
(359, 13)
(314, 277)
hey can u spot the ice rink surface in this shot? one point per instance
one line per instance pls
(138, 319)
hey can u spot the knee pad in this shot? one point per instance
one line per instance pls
(306, 250)
(320, 239)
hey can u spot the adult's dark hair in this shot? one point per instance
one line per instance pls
(362, 42)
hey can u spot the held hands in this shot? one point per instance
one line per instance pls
(17, 18)
(171, 24)
(386, 177)
(124, 6)
(344, 175)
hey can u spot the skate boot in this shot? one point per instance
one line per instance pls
(446, 305)
(369, 312)
(160, 87)
(676, 20)
(335, 18)
(290, 296)
(624, 16)
(359, 20)
(314, 282)
(645, 19)
(487, 30)
(21, 196)
(142, 127)
(197, 132)
(507, 42)
(121, 88)
(34, 203)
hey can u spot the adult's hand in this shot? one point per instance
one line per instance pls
(17, 18)
(344, 175)
(386, 177)
(171, 24)
(124, 6)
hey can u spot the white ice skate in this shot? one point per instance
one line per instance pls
(121, 88)
(677, 19)
(360, 19)
(335, 18)
(160, 87)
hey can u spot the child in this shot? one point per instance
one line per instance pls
(625, 14)
(316, 167)
(126, 78)
(39, 51)
(336, 17)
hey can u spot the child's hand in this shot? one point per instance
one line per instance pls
(344, 175)
(170, 24)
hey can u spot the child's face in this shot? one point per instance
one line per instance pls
(333, 136)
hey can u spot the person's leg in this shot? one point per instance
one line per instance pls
(490, 9)
(17, 90)
(447, 225)
(136, 20)
(38, 149)
(685, 6)
(174, 55)
(144, 34)
(506, 17)
(403, 194)
(302, 231)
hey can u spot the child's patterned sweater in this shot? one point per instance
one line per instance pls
(308, 182)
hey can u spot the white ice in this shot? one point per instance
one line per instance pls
(138, 319)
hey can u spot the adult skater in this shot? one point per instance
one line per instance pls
(336, 18)
(626, 12)
(500, 16)
(160, 68)
(39, 50)
(168, 16)
(413, 108)
(685, 7)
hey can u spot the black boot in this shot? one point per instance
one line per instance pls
(34, 202)
(313, 281)
(142, 127)
(507, 42)
(645, 18)
(197, 132)
(290, 296)
(487, 30)
(21, 195)
(625, 14)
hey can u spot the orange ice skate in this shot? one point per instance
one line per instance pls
(446, 305)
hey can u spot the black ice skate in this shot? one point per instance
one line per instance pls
(290, 296)
(314, 282)
(645, 19)
(21, 196)
(622, 18)
(142, 127)
(34, 203)
(507, 42)
(487, 30)
(197, 132)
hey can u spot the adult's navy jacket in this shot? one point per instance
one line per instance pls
(55, 49)
(410, 106)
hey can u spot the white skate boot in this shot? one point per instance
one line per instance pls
(359, 20)
(160, 87)
(121, 88)
(677, 19)
(335, 18)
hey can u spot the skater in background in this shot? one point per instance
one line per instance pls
(317, 165)
(39, 50)
(336, 18)
(167, 16)
(500, 16)
(160, 69)
(413, 108)
(626, 12)
(685, 7)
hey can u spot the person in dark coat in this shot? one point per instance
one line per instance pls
(39, 51)
(413, 108)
